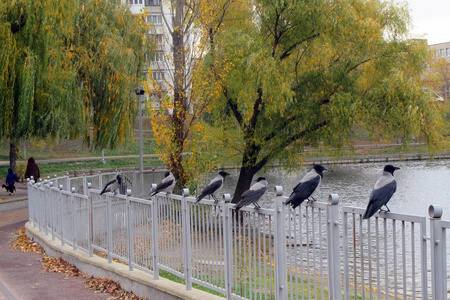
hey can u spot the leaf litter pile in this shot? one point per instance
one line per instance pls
(58, 265)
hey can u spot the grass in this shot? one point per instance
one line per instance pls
(177, 279)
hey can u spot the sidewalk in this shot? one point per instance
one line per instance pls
(21, 274)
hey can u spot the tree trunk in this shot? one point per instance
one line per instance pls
(13, 154)
(180, 107)
(249, 168)
(244, 182)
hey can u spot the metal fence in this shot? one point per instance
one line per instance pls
(318, 251)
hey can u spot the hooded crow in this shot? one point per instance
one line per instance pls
(112, 185)
(382, 192)
(253, 194)
(307, 186)
(214, 187)
(166, 185)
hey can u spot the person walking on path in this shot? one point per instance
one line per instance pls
(11, 180)
(32, 170)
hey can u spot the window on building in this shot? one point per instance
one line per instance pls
(152, 2)
(155, 19)
(158, 75)
(447, 50)
(159, 56)
(442, 53)
(137, 2)
(156, 38)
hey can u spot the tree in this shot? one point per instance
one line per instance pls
(65, 66)
(305, 73)
(180, 105)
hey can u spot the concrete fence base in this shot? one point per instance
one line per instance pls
(140, 283)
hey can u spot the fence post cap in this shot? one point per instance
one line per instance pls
(435, 211)
(278, 190)
(154, 186)
(226, 198)
(72, 189)
(128, 192)
(61, 186)
(89, 185)
(185, 192)
(333, 199)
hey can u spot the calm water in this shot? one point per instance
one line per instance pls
(419, 185)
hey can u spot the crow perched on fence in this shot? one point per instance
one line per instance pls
(382, 192)
(214, 187)
(307, 186)
(112, 185)
(253, 195)
(166, 185)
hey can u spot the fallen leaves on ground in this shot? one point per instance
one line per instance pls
(58, 265)
(24, 244)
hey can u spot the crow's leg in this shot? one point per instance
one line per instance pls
(215, 199)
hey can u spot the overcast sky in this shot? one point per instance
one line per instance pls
(431, 20)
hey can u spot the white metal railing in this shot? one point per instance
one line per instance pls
(317, 251)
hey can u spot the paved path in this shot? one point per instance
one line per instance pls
(22, 276)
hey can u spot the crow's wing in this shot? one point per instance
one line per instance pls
(210, 189)
(303, 190)
(161, 186)
(380, 197)
(250, 196)
(108, 186)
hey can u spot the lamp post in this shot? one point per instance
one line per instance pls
(140, 93)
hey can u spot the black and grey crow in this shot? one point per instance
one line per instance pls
(382, 192)
(112, 185)
(166, 185)
(214, 187)
(307, 186)
(252, 195)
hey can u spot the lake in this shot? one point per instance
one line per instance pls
(419, 184)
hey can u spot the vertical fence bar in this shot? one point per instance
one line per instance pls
(91, 222)
(438, 261)
(130, 219)
(109, 226)
(227, 241)
(74, 223)
(155, 209)
(185, 219)
(334, 256)
(280, 246)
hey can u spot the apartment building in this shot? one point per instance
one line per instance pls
(441, 50)
(159, 66)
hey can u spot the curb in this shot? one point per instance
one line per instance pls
(140, 283)
(13, 204)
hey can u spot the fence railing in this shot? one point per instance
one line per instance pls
(318, 251)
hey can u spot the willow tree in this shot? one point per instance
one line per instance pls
(304, 73)
(64, 66)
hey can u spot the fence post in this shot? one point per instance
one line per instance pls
(74, 223)
(130, 232)
(85, 188)
(46, 206)
(280, 246)
(109, 226)
(61, 212)
(91, 221)
(227, 245)
(52, 210)
(438, 259)
(155, 249)
(186, 239)
(334, 250)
